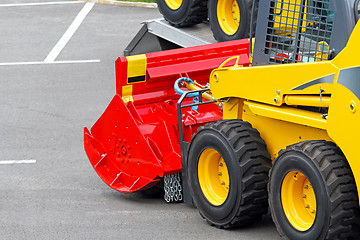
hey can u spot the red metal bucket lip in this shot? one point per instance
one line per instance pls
(121, 182)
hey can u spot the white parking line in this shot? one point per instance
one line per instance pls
(69, 33)
(50, 59)
(8, 162)
(57, 62)
(37, 4)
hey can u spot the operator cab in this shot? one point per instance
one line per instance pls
(303, 30)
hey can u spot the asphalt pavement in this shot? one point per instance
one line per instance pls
(50, 91)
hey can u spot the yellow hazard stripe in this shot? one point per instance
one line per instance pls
(127, 94)
(136, 71)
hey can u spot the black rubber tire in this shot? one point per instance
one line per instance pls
(245, 7)
(248, 164)
(333, 183)
(190, 12)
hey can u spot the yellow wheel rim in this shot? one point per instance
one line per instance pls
(298, 200)
(213, 176)
(173, 4)
(228, 14)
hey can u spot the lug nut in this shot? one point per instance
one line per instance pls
(222, 183)
(220, 164)
(306, 186)
(219, 173)
(304, 196)
(306, 206)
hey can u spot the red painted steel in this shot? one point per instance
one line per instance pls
(132, 146)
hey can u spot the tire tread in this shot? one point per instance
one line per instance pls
(247, 140)
(339, 180)
(195, 14)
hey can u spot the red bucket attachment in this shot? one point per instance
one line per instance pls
(136, 140)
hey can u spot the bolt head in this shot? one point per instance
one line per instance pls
(220, 106)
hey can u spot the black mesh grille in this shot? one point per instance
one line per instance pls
(298, 31)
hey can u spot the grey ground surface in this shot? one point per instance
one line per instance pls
(43, 109)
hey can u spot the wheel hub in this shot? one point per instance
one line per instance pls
(228, 14)
(173, 4)
(213, 177)
(298, 200)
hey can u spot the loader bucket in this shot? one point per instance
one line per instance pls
(136, 141)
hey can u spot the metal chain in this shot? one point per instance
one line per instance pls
(172, 188)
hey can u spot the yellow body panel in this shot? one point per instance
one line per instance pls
(288, 114)
(262, 95)
(343, 121)
(279, 134)
(344, 127)
(233, 109)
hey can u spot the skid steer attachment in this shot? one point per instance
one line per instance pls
(136, 141)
